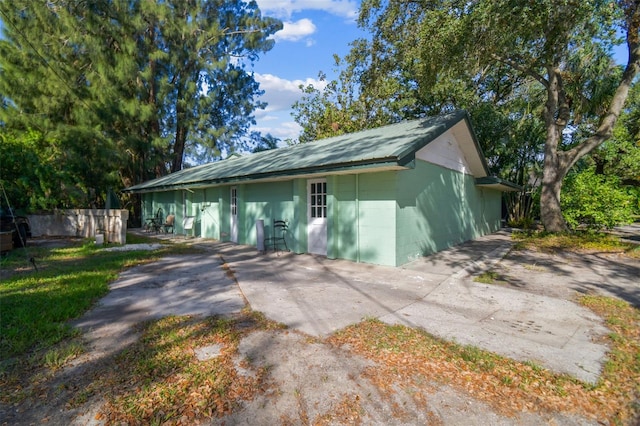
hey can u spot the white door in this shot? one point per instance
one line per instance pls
(317, 216)
(234, 214)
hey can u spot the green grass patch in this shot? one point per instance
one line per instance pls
(487, 277)
(141, 239)
(36, 305)
(574, 241)
(59, 355)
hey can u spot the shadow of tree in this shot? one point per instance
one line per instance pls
(584, 273)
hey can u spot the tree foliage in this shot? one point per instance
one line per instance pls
(596, 201)
(125, 90)
(544, 67)
(620, 155)
(339, 107)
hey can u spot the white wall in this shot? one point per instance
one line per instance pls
(84, 223)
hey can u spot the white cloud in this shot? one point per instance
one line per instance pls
(281, 93)
(282, 130)
(294, 31)
(285, 8)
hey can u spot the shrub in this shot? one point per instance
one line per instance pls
(595, 201)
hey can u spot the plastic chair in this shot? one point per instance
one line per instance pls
(171, 219)
(280, 228)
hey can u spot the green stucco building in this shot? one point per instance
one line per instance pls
(384, 196)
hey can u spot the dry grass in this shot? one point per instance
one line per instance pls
(413, 359)
(577, 241)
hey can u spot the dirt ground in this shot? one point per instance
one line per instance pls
(313, 382)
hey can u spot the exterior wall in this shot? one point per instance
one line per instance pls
(438, 208)
(386, 218)
(268, 202)
(170, 202)
(377, 217)
(207, 207)
(364, 213)
(343, 230)
(298, 226)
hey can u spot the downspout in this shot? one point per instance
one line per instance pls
(357, 218)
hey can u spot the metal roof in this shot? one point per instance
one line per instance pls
(389, 147)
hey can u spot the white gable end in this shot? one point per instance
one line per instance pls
(445, 151)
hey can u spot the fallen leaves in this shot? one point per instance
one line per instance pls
(161, 380)
(172, 385)
(411, 358)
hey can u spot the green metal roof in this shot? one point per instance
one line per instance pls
(392, 146)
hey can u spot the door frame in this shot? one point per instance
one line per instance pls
(233, 214)
(317, 242)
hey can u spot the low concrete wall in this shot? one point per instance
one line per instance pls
(84, 223)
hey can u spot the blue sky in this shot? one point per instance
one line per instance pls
(314, 30)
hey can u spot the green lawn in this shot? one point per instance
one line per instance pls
(36, 305)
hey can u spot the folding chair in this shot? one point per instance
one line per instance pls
(157, 221)
(279, 230)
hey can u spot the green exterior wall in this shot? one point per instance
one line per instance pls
(207, 206)
(394, 217)
(386, 218)
(344, 241)
(363, 216)
(438, 208)
(267, 202)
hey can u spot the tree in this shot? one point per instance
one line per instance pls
(261, 142)
(339, 107)
(595, 201)
(438, 51)
(126, 89)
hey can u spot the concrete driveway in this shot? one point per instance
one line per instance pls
(176, 285)
(437, 293)
(533, 319)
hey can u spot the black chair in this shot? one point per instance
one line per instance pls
(279, 230)
(157, 221)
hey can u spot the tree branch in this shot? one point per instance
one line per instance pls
(522, 69)
(605, 129)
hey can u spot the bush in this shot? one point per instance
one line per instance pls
(595, 201)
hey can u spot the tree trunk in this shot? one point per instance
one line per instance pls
(178, 148)
(556, 116)
(550, 210)
(556, 166)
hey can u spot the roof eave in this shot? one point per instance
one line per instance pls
(494, 182)
(345, 168)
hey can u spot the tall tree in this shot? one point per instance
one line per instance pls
(438, 50)
(339, 107)
(128, 88)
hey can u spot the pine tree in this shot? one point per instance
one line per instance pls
(125, 89)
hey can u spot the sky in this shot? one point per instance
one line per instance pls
(313, 31)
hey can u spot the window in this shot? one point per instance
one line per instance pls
(234, 201)
(318, 202)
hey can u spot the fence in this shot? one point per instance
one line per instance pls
(83, 223)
